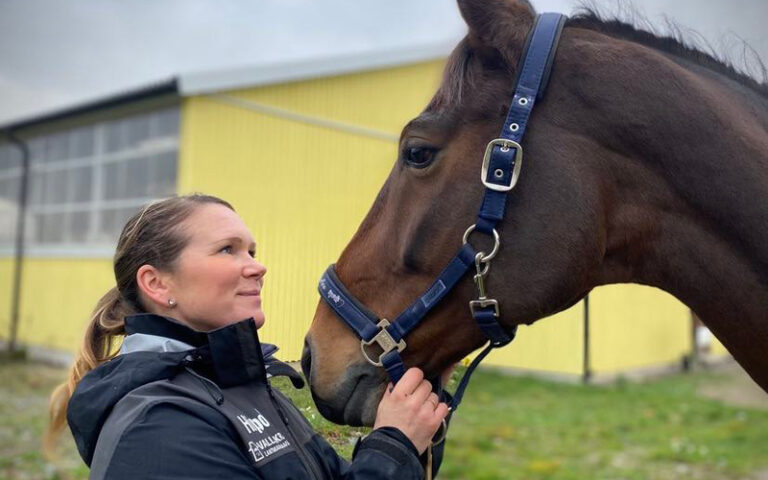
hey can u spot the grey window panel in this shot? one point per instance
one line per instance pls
(164, 171)
(79, 226)
(80, 184)
(9, 190)
(7, 223)
(52, 227)
(37, 187)
(57, 147)
(82, 142)
(36, 150)
(137, 179)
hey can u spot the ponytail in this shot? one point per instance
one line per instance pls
(106, 326)
(154, 236)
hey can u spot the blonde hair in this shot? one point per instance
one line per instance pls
(154, 237)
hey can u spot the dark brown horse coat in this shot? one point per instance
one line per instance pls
(646, 162)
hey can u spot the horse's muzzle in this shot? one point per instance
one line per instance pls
(306, 360)
(352, 399)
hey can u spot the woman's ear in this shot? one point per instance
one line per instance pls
(500, 25)
(154, 285)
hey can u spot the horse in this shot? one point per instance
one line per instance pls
(646, 162)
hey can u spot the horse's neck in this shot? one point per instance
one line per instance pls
(692, 218)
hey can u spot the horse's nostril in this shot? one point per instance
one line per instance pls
(306, 360)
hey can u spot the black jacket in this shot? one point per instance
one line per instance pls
(177, 403)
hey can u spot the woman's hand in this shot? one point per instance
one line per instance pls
(412, 408)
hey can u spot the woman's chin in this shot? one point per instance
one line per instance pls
(250, 308)
(258, 318)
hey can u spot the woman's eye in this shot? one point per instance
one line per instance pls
(419, 157)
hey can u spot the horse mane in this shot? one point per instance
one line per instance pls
(457, 76)
(687, 44)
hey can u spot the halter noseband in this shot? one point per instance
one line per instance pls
(499, 173)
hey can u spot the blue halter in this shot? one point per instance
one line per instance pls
(499, 173)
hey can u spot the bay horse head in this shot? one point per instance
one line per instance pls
(623, 181)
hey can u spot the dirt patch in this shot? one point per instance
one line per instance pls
(761, 475)
(733, 386)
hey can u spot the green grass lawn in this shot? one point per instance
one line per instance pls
(507, 428)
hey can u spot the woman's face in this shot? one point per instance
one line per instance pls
(217, 280)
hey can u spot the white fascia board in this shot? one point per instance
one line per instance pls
(200, 83)
(60, 252)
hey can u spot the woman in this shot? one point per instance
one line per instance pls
(187, 395)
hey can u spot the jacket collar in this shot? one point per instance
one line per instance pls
(234, 352)
(151, 324)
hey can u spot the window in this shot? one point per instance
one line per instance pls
(85, 182)
(10, 176)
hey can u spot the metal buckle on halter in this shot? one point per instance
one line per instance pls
(484, 303)
(504, 143)
(385, 342)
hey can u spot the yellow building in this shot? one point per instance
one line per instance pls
(300, 150)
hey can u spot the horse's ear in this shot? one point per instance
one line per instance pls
(500, 25)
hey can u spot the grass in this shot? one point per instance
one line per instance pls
(507, 428)
(527, 428)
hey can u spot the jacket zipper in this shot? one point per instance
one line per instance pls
(306, 459)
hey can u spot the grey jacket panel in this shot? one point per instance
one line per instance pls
(133, 408)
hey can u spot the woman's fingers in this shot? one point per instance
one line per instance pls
(441, 412)
(413, 408)
(422, 392)
(410, 381)
(413, 387)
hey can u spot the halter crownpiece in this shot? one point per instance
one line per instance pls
(499, 173)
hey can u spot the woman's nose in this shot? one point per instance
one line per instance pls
(255, 268)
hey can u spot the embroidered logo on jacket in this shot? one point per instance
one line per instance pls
(255, 424)
(267, 445)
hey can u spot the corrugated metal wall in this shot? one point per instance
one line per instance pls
(6, 290)
(57, 297)
(554, 344)
(636, 326)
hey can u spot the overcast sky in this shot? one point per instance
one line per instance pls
(58, 53)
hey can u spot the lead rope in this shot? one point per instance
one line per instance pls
(482, 266)
(428, 469)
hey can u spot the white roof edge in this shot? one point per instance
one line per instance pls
(197, 83)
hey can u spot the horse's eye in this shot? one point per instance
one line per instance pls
(419, 157)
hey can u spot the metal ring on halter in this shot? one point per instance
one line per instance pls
(441, 434)
(496, 240)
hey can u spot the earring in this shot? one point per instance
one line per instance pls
(171, 302)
